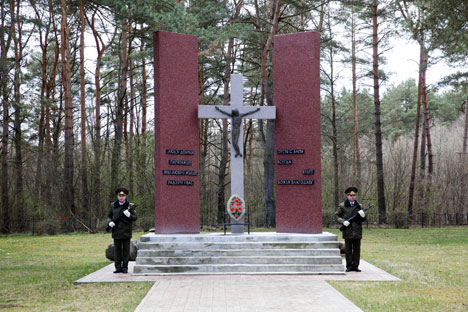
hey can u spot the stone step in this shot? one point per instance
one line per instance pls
(238, 252)
(237, 245)
(260, 253)
(257, 237)
(173, 261)
(239, 269)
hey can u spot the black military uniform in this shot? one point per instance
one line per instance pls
(352, 234)
(121, 230)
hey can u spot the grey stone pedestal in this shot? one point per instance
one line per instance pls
(258, 253)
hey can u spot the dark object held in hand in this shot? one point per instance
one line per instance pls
(356, 217)
(121, 218)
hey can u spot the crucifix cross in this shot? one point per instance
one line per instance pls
(237, 112)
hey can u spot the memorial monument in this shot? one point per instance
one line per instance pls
(296, 76)
(298, 246)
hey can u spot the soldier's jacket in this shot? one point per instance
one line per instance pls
(343, 213)
(122, 228)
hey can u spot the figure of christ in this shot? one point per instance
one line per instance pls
(236, 120)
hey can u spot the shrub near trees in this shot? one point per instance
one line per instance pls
(76, 123)
(398, 111)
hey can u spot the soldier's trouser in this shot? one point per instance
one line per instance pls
(121, 253)
(353, 253)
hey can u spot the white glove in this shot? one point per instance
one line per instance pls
(127, 213)
(346, 223)
(111, 224)
(361, 213)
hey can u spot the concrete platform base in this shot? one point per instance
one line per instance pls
(257, 253)
(105, 275)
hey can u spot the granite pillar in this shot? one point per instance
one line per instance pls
(296, 74)
(176, 155)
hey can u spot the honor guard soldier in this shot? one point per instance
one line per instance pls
(351, 215)
(120, 218)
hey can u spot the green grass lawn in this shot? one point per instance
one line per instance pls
(432, 263)
(37, 272)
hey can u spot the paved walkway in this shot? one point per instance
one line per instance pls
(259, 294)
(239, 293)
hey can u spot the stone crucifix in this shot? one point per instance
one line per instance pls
(237, 112)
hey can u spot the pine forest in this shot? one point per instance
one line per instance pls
(77, 116)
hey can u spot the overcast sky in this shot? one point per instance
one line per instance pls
(403, 61)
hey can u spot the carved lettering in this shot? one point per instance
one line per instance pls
(290, 151)
(180, 162)
(285, 161)
(180, 172)
(308, 171)
(179, 152)
(296, 182)
(178, 182)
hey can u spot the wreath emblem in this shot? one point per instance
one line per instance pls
(236, 207)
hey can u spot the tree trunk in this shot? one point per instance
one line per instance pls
(203, 128)
(42, 101)
(249, 143)
(427, 131)
(465, 132)
(222, 171)
(125, 130)
(5, 41)
(51, 156)
(336, 167)
(334, 139)
(378, 130)
(416, 138)
(131, 126)
(141, 152)
(269, 204)
(57, 118)
(119, 110)
(16, 31)
(84, 160)
(269, 170)
(422, 152)
(426, 135)
(269, 177)
(356, 154)
(224, 139)
(140, 149)
(5, 181)
(144, 94)
(276, 5)
(68, 188)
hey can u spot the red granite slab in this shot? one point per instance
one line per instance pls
(296, 74)
(177, 203)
